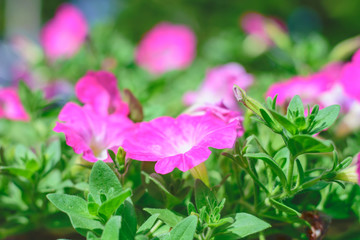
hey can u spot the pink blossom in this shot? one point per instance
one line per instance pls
(218, 84)
(10, 105)
(91, 134)
(220, 111)
(166, 47)
(313, 89)
(254, 23)
(63, 35)
(99, 90)
(181, 143)
(350, 77)
(358, 168)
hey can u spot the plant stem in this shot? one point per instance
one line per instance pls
(256, 180)
(290, 172)
(208, 234)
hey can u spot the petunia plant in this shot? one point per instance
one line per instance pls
(108, 213)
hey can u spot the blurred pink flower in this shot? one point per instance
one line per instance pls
(10, 105)
(91, 134)
(181, 143)
(166, 47)
(63, 35)
(254, 23)
(321, 88)
(358, 168)
(99, 90)
(350, 77)
(218, 84)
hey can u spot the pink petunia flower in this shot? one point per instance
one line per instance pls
(350, 77)
(358, 168)
(181, 142)
(63, 35)
(351, 173)
(100, 91)
(321, 88)
(10, 105)
(220, 111)
(166, 47)
(254, 24)
(91, 134)
(218, 84)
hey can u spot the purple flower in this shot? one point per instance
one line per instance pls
(166, 47)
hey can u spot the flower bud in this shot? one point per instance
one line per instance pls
(257, 108)
(350, 174)
(120, 159)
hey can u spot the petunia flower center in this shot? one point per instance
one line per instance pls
(98, 150)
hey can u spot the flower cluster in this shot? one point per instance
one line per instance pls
(103, 123)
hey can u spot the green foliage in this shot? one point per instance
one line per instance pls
(104, 213)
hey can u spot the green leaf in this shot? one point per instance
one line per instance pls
(112, 229)
(52, 155)
(301, 144)
(111, 205)
(76, 208)
(344, 163)
(295, 108)
(289, 126)
(300, 172)
(165, 215)
(185, 229)
(191, 208)
(246, 224)
(103, 181)
(16, 171)
(270, 122)
(129, 222)
(272, 164)
(204, 196)
(284, 208)
(147, 225)
(111, 154)
(32, 165)
(324, 119)
(91, 236)
(93, 208)
(172, 200)
(22, 154)
(221, 222)
(70, 204)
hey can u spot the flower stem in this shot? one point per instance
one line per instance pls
(200, 172)
(290, 172)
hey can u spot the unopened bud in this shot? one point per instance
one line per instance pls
(120, 159)
(257, 108)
